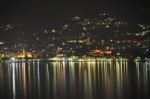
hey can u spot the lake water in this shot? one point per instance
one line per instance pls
(75, 80)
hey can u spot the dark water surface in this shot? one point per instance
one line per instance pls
(75, 80)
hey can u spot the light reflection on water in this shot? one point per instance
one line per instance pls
(86, 80)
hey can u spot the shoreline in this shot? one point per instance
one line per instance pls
(77, 59)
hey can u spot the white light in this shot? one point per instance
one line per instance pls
(1, 43)
(147, 50)
(118, 53)
(12, 59)
(53, 30)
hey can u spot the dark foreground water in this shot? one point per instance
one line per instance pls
(75, 80)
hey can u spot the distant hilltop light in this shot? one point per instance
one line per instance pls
(103, 14)
(76, 18)
(1, 43)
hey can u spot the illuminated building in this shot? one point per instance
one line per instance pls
(24, 55)
(99, 52)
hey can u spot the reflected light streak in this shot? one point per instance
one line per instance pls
(138, 74)
(9, 78)
(29, 77)
(48, 79)
(24, 79)
(72, 76)
(38, 78)
(54, 79)
(14, 80)
(119, 78)
(1, 78)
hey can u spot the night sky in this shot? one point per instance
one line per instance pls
(59, 10)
